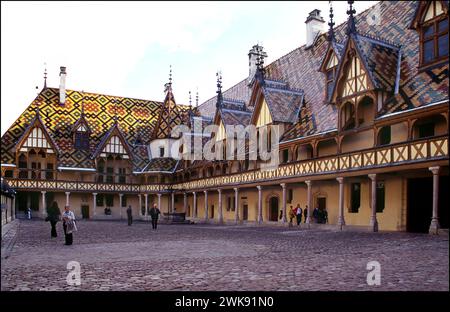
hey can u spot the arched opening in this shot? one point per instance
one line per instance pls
(429, 126)
(304, 152)
(347, 116)
(327, 148)
(224, 169)
(273, 208)
(366, 111)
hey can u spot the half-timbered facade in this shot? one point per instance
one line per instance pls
(363, 112)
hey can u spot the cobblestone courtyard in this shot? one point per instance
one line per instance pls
(114, 256)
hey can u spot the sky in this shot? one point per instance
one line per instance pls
(126, 48)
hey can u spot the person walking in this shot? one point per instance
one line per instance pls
(154, 213)
(53, 215)
(299, 214)
(29, 213)
(316, 215)
(305, 213)
(68, 225)
(129, 215)
(291, 216)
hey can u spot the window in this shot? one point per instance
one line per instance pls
(380, 196)
(355, 197)
(161, 152)
(434, 34)
(49, 173)
(122, 175)
(331, 75)
(100, 170)
(124, 200)
(82, 140)
(348, 116)
(426, 130)
(109, 200)
(285, 155)
(109, 175)
(100, 200)
(290, 196)
(8, 174)
(385, 135)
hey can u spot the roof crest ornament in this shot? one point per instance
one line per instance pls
(351, 28)
(331, 23)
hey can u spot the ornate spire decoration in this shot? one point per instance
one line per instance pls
(351, 28)
(196, 98)
(219, 89)
(45, 75)
(331, 24)
(190, 100)
(168, 85)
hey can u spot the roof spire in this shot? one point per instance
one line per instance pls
(219, 89)
(190, 100)
(45, 75)
(351, 28)
(38, 101)
(168, 85)
(196, 99)
(331, 24)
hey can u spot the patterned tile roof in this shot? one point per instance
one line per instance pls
(299, 69)
(135, 118)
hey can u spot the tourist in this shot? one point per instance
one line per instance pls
(305, 213)
(325, 215)
(29, 213)
(316, 215)
(299, 214)
(68, 225)
(281, 214)
(154, 212)
(291, 216)
(129, 215)
(53, 215)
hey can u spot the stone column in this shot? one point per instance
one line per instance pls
(13, 210)
(206, 205)
(283, 203)
(260, 216)
(95, 203)
(44, 208)
(309, 200)
(341, 220)
(140, 205)
(67, 199)
(194, 205)
(236, 205)
(120, 205)
(185, 202)
(434, 226)
(159, 203)
(373, 224)
(146, 206)
(172, 206)
(220, 207)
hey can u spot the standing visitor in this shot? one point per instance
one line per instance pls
(305, 213)
(53, 215)
(299, 214)
(68, 225)
(129, 215)
(154, 213)
(291, 216)
(316, 215)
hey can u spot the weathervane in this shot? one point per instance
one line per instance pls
(45, 75)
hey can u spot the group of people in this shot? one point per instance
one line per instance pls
(68, 218)
(319, 215)
(70, 226)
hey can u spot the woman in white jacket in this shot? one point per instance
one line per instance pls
(68, 224)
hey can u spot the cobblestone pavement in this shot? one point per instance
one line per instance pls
(114, 256)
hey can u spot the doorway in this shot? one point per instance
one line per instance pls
(420, 204)
(212, 211)
(245, 212)
(322, 203)
(273, 210)
(85, 211)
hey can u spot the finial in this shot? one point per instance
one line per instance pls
(196, 99)
(331, 24)
(351, 28)
(170, 75)
(45, 75)
(219, 88)
(190, 100)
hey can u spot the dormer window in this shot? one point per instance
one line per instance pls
(434, 34)
(331, 75)
(82, 140)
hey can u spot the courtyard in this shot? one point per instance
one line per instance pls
(114, 256)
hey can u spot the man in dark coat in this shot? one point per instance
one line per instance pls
(129, 215)
(305, 212)
(154, 213)
(53, 215)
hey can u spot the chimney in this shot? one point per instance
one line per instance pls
(253, 55)
(314, 24)
(62, 85)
